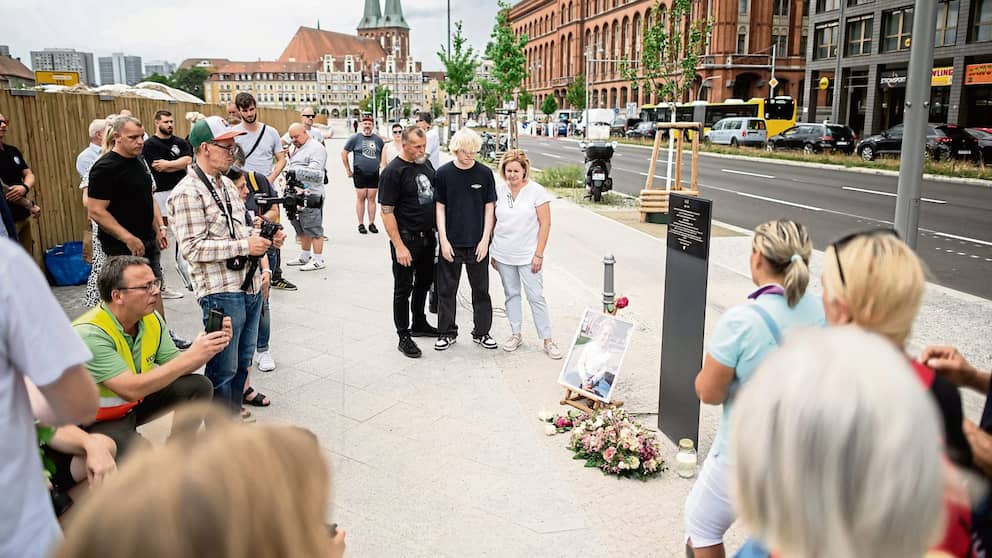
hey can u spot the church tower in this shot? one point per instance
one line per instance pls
(389, 29)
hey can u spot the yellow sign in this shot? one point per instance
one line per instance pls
(824, 82)
(942, 76)
(68, 79)
(976, 74)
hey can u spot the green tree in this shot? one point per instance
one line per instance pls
(671, 50)
(436, 110)
(506, 51)
(487, 100)
(407, 110)
(576, 93)
(381, 94)
(159, 78)
(524, 99)
(459, 65)
(550, 105)
(190, 80)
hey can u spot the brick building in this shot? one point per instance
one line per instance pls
(736, 61)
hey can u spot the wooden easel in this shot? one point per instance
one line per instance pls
(585, 403)
(656, 201)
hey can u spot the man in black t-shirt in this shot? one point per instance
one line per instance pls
(168, 157)
(120, 201)
(406, 194)
(17, 179)
(466, 214)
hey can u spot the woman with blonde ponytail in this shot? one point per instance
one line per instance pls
(744, 335)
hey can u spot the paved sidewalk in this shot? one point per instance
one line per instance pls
(444, 456)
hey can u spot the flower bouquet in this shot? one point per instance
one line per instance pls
(610, 441)
(560, 422)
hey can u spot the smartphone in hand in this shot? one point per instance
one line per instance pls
(215, 320)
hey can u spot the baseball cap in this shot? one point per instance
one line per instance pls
(366, 118)
(212, 128)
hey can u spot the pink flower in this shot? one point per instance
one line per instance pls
(609, 453)
(622, 303)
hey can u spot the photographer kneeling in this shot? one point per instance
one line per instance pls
(305, 174)
(208, 219)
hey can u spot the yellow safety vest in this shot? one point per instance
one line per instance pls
(113, 406)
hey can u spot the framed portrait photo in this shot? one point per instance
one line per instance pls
(596, 355)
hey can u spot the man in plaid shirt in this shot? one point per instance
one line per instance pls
(209, 224)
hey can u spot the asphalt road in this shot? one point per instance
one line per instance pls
(955, 219)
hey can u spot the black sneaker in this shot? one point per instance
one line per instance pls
(179, 342)
(425, 330)
(283, 285)
(443, 343)
(485, 341)
(408, 347)
(361, 229)
(373, 229)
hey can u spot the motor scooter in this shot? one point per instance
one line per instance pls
(598, 163)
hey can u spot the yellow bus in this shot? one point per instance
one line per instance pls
(779, 112)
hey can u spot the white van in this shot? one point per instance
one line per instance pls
(596, 117)
(738, 130)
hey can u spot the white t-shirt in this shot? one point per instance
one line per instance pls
(36, 341)
(515, 234)
(433, 147)
(261, 160)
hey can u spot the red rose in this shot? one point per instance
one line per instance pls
(622, 302)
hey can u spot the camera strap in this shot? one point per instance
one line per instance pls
(225, 207)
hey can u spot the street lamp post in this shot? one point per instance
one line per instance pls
(702, 84)
(589, 61)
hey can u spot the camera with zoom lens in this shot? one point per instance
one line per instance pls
(268, 231)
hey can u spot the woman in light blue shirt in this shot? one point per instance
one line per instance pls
(743, 337)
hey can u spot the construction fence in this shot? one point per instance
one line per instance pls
(51, 129)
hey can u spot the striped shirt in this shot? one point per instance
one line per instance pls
(203, 236)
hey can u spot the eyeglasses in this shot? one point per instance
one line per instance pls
(154, 286)
(844, 240)
(4, 122)
(232, 149)
(308, 115)
(397, 132)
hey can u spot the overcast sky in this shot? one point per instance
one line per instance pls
(181, 29)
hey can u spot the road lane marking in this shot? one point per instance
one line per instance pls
(773, 200)
(889, 194)
(731, 171)
(956, 237)
(550, 155)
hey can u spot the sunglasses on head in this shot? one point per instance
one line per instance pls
(845, 240)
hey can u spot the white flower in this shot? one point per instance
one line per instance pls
(544, 415)
(651, 465)
(550, 430)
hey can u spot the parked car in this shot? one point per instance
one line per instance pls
(944, 141)
(984, 138)
(642, 130)
(738, 130)
(470, 123)
(814, 138)
(620, 125)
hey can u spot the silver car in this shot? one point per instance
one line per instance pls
(739, 130)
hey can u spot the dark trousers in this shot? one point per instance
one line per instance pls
(123, 431)
(448, 277)
(410, 284)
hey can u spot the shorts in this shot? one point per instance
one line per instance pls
(709, 512)
(309, 222)
(364, 179)
(152, 254)
(160, 198)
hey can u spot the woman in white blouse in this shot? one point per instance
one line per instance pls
(523, 222)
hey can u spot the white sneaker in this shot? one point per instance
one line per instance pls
(313, 265)
(298, 261)
(513, 342)
(552, 351)
(264, 361)
(169, 294)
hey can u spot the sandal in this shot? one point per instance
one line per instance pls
(256, 398)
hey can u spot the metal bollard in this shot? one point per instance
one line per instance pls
(608, 293)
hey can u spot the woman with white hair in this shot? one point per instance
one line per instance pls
(743, 337)
(874, 280)
(836, 451)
